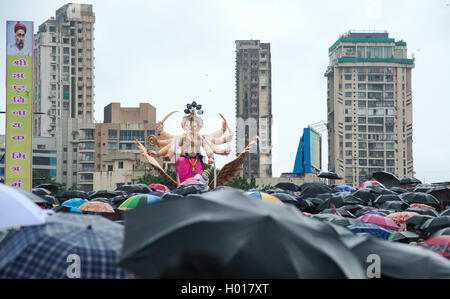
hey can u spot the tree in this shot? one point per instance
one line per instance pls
(150, 178)
(41, 177)
(241, 182)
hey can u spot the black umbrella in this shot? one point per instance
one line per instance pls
(50, 199)
(240, 233)
(382, 198)
(52, 188)
(341, 211)
(352, 208)
(288, 186)
(102, 199)
(420, 197)
(394, 205)
(313, 189)
(66, 195)
(398, 190)
(404, 237)
(366, 194)
(40, 191)
(424, 187)
(116, 201)
(360, 212)
(423, 211)
(339, 220)
(329, 175)
(442, 193)
(396, 260)
(135, 188)
(441, 232)
(409, 181)
(380, 190)
(435, 224)
(106, 194)
(418, 219)
(188, 189)
(445, 213)
(339, 200)
(386, 178)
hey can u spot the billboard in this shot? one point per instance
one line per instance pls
(19, 99)
(309, 153)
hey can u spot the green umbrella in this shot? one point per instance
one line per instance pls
(139, 199)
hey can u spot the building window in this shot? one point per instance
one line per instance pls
(120, 164)
(110, 168)
(112, 146)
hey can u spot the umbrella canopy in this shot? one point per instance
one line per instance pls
(441, 232)
(401, 217)
(353, 208)
(41, 191)
(386, 178)
(339, 199)
(404, 237)
(105, 194)
(137, 200)
(382, 198)
(17, 209)
(424, 188)
(420, 197)
(374, 212)
(445, 213)
(240, 233)
(50, 199)
(288, 186)
(370, 183)
(398, 190)
(394, 205)
(371, 229)
(96, 207)
(339, 220)
(73, 204)
(312, 189)
(50, 187)
(344, 188)
(423, 211)
(341, 211)
(435, 224)
(43, 251)
(66, 195)
(160, 187)
(409, 181)
(438, 244)
(380, 221)
(442, 193)
(366, 194)
(421, 205)
(329, 175)
(135, 188)
(419, 219)
(264, 196)
(398, 260)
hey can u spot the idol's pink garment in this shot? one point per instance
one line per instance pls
(184, 168)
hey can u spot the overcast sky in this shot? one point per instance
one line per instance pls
(168, 53)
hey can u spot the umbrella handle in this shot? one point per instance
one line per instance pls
(335, 210)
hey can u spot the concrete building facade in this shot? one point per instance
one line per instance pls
(369, 104)
(64, 68)
(254, 105)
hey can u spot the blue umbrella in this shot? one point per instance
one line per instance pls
(372, 229)
(73, 204)
(92, 244)
(344, 188)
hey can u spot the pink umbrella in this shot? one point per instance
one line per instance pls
(370, 183)
(421, 205)
(380, 221)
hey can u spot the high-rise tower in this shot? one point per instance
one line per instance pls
(369, 106)
(254, 105)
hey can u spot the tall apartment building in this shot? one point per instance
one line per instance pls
(64, 68)
(369, 106)
(254, 106)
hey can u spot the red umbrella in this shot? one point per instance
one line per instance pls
(370, 183)
(380, 221)
(439, 244)
(159, 187)
(421, 205)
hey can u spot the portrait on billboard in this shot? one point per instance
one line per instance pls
(20, 38)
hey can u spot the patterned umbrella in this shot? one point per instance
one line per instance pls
(370, 183)
(139, 199)
(159, 187)
(401, 217)
(421, 205)
(372, 229)
(64, 245)
(344, 188)
(97, 207)
(439, 244)
(380, 221)
(264, 196)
